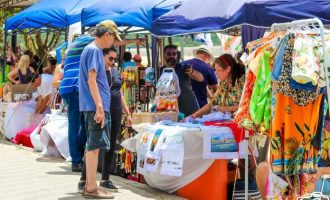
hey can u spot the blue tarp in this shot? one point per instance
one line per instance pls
(194, 17)
(49, 13)
(138, 13)
(265, 13)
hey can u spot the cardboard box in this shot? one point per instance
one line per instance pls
(9, 91)
(147, 117)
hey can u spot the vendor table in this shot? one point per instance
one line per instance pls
(200, 179)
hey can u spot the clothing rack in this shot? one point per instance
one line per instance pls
(313, 25)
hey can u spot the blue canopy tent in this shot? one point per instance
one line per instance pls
(195, 17)
(48, 13)
(129, 13)
(265, 13)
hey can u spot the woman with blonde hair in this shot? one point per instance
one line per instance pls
(24, 72)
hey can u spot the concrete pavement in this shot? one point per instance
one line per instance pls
(27, 175)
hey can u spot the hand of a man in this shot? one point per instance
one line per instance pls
(99, 116)
(140, 42)
(189, 70)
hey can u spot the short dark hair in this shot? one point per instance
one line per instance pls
(127, 56)
(99, 31)
(107, 50)
(36, 58)
(170, 46)
(52, 61)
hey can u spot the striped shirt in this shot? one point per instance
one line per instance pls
(69, 81)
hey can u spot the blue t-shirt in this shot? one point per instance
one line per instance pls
(92, 59)
(199, 88)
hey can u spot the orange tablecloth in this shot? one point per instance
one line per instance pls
(212, 185)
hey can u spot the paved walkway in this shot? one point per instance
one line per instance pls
(27, 175)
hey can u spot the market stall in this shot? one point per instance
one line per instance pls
(180, 157)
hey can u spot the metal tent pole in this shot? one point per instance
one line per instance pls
(246, 182)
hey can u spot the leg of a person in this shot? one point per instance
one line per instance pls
(71, 100)
(108, 155)
(44, 104)
(263, 170)
(38, 106)
(91, 167)
(82, 135)
(97, 138)
(83, 171)
(91, 159)
(83, 138)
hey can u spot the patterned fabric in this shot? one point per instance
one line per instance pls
(294, 129)
(228, 95)
(305, 65)
(275, 186)
(300, 97)
(242, 116)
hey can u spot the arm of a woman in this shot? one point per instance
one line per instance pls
(203, 111)
(32, 70)
(126, 111)
(13, 75)
(231, 109)
(57, 77)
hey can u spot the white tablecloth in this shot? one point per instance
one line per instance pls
(193, 164)
(15, 118)
(54, 136)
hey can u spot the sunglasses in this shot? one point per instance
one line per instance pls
(112, 59)
(171, 53)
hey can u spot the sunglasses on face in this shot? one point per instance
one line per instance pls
(171, 53)
(111, 59)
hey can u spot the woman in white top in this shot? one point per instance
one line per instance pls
(45, 89)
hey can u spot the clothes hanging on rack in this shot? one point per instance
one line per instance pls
(305, 64)
(255, 105)
(261, 95)
(300, 97)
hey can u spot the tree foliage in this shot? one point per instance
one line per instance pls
(41, 42)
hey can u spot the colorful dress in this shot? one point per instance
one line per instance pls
(294, 126)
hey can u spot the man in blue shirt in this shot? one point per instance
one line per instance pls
(69, 91)
(94, 96)
(200, 64)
